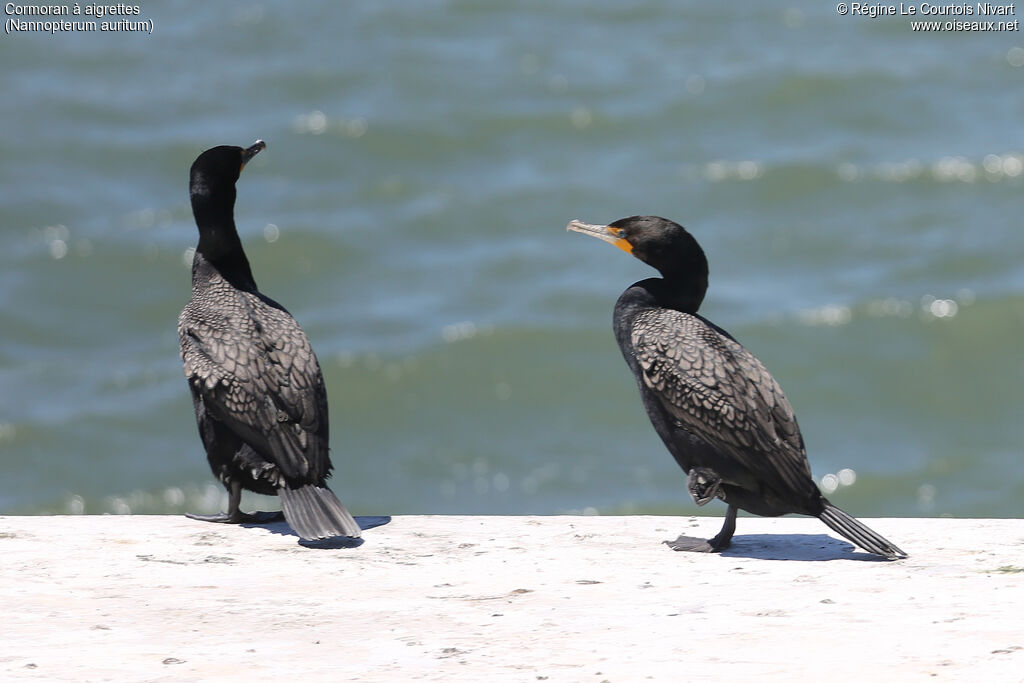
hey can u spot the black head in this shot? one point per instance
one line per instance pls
(212, 190)
(215, 171)
(656, 241)
(663, 244)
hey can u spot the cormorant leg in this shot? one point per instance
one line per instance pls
(724, 537)
(234, 515)
(703, 483)
(716, 544)
(234, 502)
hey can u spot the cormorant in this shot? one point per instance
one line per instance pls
(256, 384)
(722, 416)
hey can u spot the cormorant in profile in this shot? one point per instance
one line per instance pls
(256, 384)
(721, 414)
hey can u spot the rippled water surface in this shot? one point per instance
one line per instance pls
(856, 186)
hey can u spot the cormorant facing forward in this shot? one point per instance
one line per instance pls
(256, 384)
(721, 414)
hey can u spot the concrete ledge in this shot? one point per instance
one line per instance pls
(508, 599)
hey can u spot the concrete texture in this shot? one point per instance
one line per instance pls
(508, 599)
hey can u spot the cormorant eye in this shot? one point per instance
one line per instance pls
(619, 232)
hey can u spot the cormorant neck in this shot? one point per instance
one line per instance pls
(219, 243)
(679, 292)
(684, 271)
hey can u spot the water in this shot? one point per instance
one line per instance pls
(857, 188)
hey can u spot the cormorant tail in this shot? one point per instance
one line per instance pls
(314, 512)
(850, 528)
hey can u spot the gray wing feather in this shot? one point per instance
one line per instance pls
(257, 373)
(716, 389)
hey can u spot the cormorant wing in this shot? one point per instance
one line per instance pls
(260, 377)
(721, 392)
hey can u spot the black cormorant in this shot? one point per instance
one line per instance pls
(721, 414)
(256, 384)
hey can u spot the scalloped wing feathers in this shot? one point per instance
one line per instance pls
(255, 370)
(721, 392)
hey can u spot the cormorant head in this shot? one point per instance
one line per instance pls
(214, 172)
(656, 241)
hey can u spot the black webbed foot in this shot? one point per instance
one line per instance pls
(234, 515)
(257, 517)
(690, 544)
(703, 484)
(714, 545)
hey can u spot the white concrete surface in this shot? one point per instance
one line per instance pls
(487, 599)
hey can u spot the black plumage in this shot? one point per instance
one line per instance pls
(256, 384)
(720, 413)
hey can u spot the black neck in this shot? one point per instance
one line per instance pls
(219, 244)
(683, 293)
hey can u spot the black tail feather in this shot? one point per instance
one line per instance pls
(314, 512)
(850, 528)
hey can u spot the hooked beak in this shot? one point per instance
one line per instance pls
(605, 233)
(249, 152)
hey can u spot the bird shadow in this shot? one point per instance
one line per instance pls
(283, 529)
(796, 548)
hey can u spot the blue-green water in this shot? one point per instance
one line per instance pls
(857, 187)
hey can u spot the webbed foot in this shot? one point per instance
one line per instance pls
(690, 544)
(714, 545)
(234, 515)
(257, 517)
